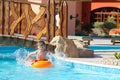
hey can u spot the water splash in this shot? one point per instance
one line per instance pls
(57, 59)
(60, 54)
(21, 55)
(51, 57)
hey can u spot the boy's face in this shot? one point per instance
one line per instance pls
(41, 47)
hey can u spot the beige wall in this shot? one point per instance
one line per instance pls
(71, 23)
(79, 12)
(79, 9)
(73, 9)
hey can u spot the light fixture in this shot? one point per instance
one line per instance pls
(71, 17)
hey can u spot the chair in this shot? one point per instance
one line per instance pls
(85, 39)
(115, 39)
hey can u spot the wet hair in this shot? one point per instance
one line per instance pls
(41, 43)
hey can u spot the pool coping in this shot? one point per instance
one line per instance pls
(94, 64)
(106, 50)
(95, 67)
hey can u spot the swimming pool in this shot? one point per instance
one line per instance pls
(104, 47)
(62, 70)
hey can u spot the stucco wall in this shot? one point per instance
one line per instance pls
(79, 12)
(96, 5)
(71, 22)
(71, 11)
(86, 8)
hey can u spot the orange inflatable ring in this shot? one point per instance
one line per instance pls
(42, 64)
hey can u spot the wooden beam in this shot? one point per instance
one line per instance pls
(52, 20)
(6, 17)
(19, 14)
(1, 16)
(48, 21)
(65, 18)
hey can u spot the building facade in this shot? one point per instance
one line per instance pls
(86, 9)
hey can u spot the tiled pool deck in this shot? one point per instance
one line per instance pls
(99, 57)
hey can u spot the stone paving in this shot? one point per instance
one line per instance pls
(103, 57)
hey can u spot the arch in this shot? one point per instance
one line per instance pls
(109, 9)
(96, 5)
(101, 14)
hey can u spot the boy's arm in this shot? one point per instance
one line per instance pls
(30, 54)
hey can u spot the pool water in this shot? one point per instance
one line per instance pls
(105, 47)
(10, 69)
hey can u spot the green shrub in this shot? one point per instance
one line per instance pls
(80, 33)
(111, 19)
(109, 25)
(98, 31)
(117, 55)
(87, 27)
(103, 28)
(77, 22)
(98, 24)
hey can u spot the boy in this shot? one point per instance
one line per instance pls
(40, 53)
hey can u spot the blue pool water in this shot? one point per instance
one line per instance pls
(10, 69)
(105, 47)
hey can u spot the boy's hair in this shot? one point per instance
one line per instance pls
(41, 43)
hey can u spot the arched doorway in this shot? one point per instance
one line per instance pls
(102, 14)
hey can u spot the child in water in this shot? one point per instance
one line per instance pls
(40, 53)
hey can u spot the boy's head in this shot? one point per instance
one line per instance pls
(41, 45)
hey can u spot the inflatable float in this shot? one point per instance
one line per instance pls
(42, 64)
